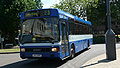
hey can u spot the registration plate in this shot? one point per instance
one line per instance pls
(36, 55)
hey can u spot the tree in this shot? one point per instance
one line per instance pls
(9, 19)
(115, 14)
(94, 10)
(38, 4)
(79, 8)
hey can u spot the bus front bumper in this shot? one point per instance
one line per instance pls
(51, 55)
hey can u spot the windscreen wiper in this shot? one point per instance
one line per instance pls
(51, 40)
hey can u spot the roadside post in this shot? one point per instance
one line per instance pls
(110, 36)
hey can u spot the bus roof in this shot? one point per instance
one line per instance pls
(73, 17)
(64, 13)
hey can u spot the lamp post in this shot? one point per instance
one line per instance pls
(110, 36)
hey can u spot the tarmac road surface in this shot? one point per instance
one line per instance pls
(14, 61)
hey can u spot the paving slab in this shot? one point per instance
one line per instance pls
(101, 62)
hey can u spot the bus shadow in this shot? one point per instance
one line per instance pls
(81, 52)
(35, 64)
(43, 63)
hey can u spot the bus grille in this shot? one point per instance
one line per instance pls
(38, 49)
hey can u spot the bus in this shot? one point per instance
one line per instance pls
(53, 33)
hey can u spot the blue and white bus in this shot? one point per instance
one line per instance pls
(53, 33)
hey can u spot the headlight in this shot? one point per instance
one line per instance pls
(55, 49)
(22, 49)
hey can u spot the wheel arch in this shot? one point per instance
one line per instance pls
(72, 45)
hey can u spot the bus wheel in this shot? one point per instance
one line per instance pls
(88, 45)
(72, 53)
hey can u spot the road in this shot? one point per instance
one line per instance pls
(14, 61)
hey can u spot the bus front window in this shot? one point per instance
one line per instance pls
(40, 30)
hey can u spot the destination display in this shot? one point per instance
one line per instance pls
(37, 13)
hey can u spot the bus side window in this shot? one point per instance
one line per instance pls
(72, 28)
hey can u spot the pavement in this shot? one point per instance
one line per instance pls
(101, 62)
(10, 52)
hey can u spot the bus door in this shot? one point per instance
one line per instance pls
(64, 32)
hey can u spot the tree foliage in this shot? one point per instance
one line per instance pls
(38, 4)
(9, 10)
(76, 7)
(94, 10)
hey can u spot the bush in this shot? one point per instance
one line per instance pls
(98, 39)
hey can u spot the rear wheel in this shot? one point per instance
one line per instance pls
(88, 44)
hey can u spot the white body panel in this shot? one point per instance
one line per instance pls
(79, 37)
(41, 44)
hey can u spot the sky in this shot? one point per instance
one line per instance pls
(48, 3)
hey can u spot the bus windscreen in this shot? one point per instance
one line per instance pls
(41, 30)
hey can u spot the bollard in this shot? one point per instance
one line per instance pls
(110, 45)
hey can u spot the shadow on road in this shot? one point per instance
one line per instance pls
(81, 52)
(100, 61)
(32, 63)
(43, 63)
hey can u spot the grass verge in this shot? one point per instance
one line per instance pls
(9, 50)
(118, 36)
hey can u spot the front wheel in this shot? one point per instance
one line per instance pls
(72, 53)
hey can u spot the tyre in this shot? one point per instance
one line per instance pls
(88, 45)
(72, 52)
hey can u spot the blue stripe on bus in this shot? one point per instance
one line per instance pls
(81, 44)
